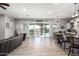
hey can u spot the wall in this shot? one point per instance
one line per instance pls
(9, 32)
(20, 22)
(2, 26)
(19, 26)
(76, 25)
(60, 23)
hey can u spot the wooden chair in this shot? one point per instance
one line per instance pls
(74, 44)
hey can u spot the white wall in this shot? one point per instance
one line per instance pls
(2, 26)
(9, 32)
(76, 25)
(19, 26)
(59, 24)
(20, 22)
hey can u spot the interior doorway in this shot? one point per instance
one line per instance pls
(39, 29)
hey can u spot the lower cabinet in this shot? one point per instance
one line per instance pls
(8, 45)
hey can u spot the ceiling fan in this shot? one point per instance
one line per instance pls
(4, 5)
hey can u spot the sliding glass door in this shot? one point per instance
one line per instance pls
(39, 29)
(46, 30)
(31, 30)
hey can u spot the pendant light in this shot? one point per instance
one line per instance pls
(75, 12)
(57, 19)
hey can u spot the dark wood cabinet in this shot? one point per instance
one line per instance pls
(8, 45)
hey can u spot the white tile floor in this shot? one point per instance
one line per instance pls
(38, 47)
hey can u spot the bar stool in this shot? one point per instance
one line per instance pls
(74, 44)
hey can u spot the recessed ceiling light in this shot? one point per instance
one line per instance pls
(76, 14)
(50, 12)
(72, 15)
(24, 9)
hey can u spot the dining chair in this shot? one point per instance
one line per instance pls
(74, 44)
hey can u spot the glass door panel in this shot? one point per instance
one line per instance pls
(46, 30)
(39, 29)
(31, 29)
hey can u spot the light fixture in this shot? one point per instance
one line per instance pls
(24, 9)
(75, 9)
(50, 12)
(73, 16)
(57, 19)
(75, 12)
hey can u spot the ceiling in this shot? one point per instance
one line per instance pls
(39, 10)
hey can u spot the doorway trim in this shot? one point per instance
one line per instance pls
(40, 22)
